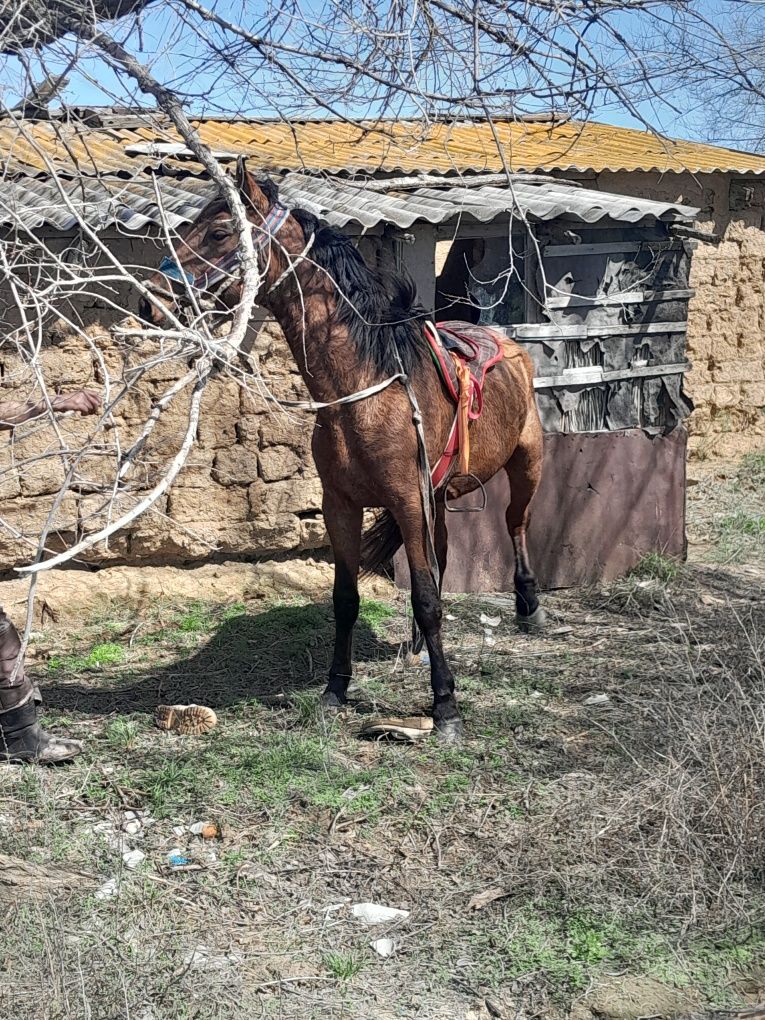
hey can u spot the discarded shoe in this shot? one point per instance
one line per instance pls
(191, 720)
(410, 728)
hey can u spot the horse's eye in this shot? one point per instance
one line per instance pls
(220, 235)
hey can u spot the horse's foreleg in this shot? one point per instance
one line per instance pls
(343, 523)
(440, 540)
(426, 603)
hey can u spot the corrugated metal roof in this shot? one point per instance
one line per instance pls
(337, 146)
(103, 202)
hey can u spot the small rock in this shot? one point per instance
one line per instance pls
(133, 858)
(107, 890)
(383, 947)
(179, 830)
(131, 828)
(450, 617)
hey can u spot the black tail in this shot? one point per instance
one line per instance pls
(380, 543)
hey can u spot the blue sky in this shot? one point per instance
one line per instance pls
(94, 83)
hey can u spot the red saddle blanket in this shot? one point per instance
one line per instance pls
(463, 354)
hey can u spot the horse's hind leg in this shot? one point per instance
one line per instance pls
(426, 603)
(440, 540)
(343, 523)
(524, 469)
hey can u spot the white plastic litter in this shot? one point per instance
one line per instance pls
(597, 699)
(383, 947)
(376, 913)
(490, 621)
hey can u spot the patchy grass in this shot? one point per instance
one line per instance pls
(750, 473)
(375, 613)
(656, 567)
(621, 836)
(104, 654)
(343, 966)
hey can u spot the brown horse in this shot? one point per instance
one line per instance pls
(349, 326)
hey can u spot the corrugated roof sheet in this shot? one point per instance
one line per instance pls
(102, 202)
(336, 146)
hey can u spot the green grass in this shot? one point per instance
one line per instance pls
(109, 653)
(656, 567)
(742, 523)
(741, 536)
(343, 966)
(121, 733)
(568, 950)
(375, 613)
(751, 471)
(280, 772)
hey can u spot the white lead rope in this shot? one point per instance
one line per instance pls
(317, 405)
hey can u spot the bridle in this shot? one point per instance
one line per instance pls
(220, 271)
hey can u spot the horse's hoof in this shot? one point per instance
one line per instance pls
(450, 731)
(417, 659)
(332, 703)
(534, 624)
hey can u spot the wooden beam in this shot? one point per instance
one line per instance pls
(632, 297)
(609, 248)
(591, 375)
(555, 331)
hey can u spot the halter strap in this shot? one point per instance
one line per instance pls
(262, 235)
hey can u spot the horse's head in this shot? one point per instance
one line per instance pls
(205, 269)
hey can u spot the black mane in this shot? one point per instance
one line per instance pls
(380, 310)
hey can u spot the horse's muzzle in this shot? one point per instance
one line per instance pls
(153, 312)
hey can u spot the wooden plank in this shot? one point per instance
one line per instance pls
(608, 248)
(589, 375)
(633, 297)
(555, 331)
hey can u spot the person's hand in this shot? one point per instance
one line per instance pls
(84, 401)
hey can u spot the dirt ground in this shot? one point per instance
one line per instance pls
(592, 850)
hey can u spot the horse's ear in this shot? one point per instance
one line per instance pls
(247, 185)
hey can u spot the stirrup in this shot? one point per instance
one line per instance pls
(466, 509)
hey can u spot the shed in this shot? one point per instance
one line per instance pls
(599, 295)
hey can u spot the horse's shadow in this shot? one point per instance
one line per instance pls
(249, 657)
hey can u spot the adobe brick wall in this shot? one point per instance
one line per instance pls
(249, 486)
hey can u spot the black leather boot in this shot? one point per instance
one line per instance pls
(22, 739)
